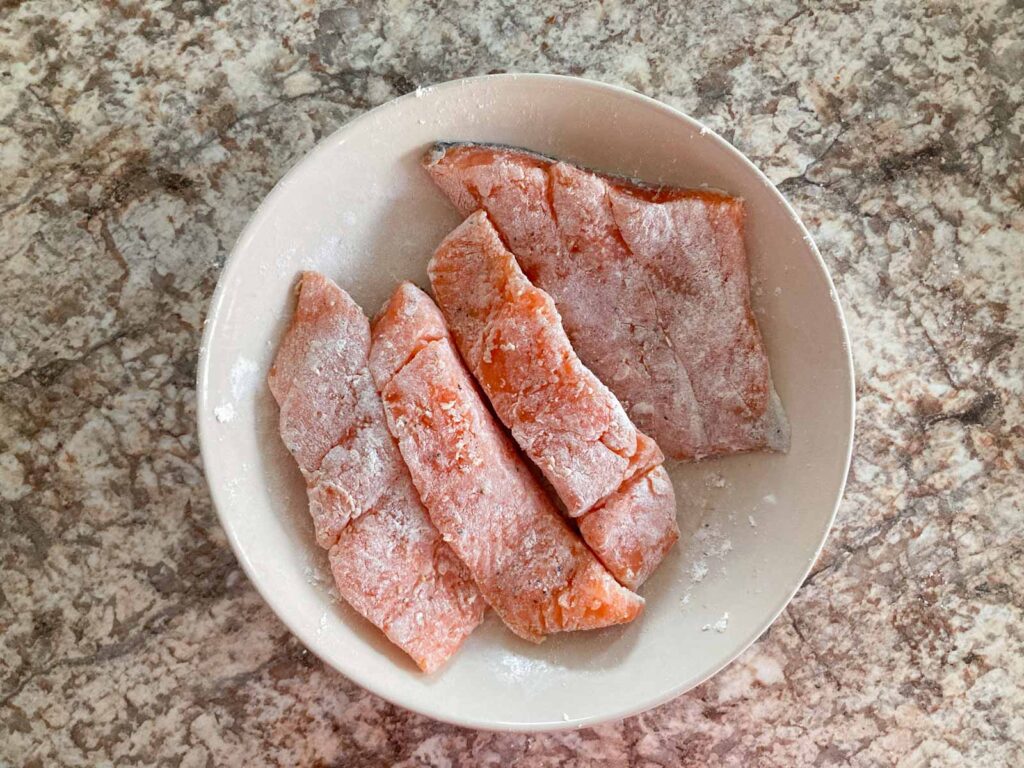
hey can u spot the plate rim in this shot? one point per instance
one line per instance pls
(206, 441)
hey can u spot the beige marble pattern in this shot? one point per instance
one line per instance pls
(136, 138)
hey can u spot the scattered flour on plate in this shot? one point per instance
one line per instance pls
(319, 578)
(526, 674)
(713, 543)
(719, 626)
(752, 521)
(770, 499)
(714, 480)
(283, 262)
(243, 377)
(224, 413)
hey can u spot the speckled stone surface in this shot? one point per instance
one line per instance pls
(137, 138)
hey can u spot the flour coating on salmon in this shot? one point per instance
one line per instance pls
(530, 566)
(387, 559)
(565, 420)
(652, 285)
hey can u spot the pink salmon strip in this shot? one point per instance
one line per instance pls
(569, 423)
(530, 566)
(389, 562)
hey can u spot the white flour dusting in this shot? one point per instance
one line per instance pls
(283, 262)
(533, 673)
(713, 542)
(314, 576)
(224, 413)
(719, 626)
(714, 480)
(243, 378)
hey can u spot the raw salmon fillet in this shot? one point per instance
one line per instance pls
(389, 562)
(530, 566)
(652, 285)
(633, 529)
(562, 416)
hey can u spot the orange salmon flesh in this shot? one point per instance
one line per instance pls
(565, 420)
(530, 566)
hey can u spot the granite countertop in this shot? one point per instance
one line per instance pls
(136, 138)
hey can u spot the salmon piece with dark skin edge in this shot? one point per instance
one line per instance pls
(652, 284)
(565, 420)
(388, 560)
(530, 566)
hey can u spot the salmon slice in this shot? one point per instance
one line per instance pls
(652, 285)
(530, 566)
(388, 560)
(562, 416)
(635, 527)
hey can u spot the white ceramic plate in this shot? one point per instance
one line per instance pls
(360, 209)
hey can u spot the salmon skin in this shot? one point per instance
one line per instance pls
(530, 566)
(388, 561)
(565, 420)
(652, 284)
